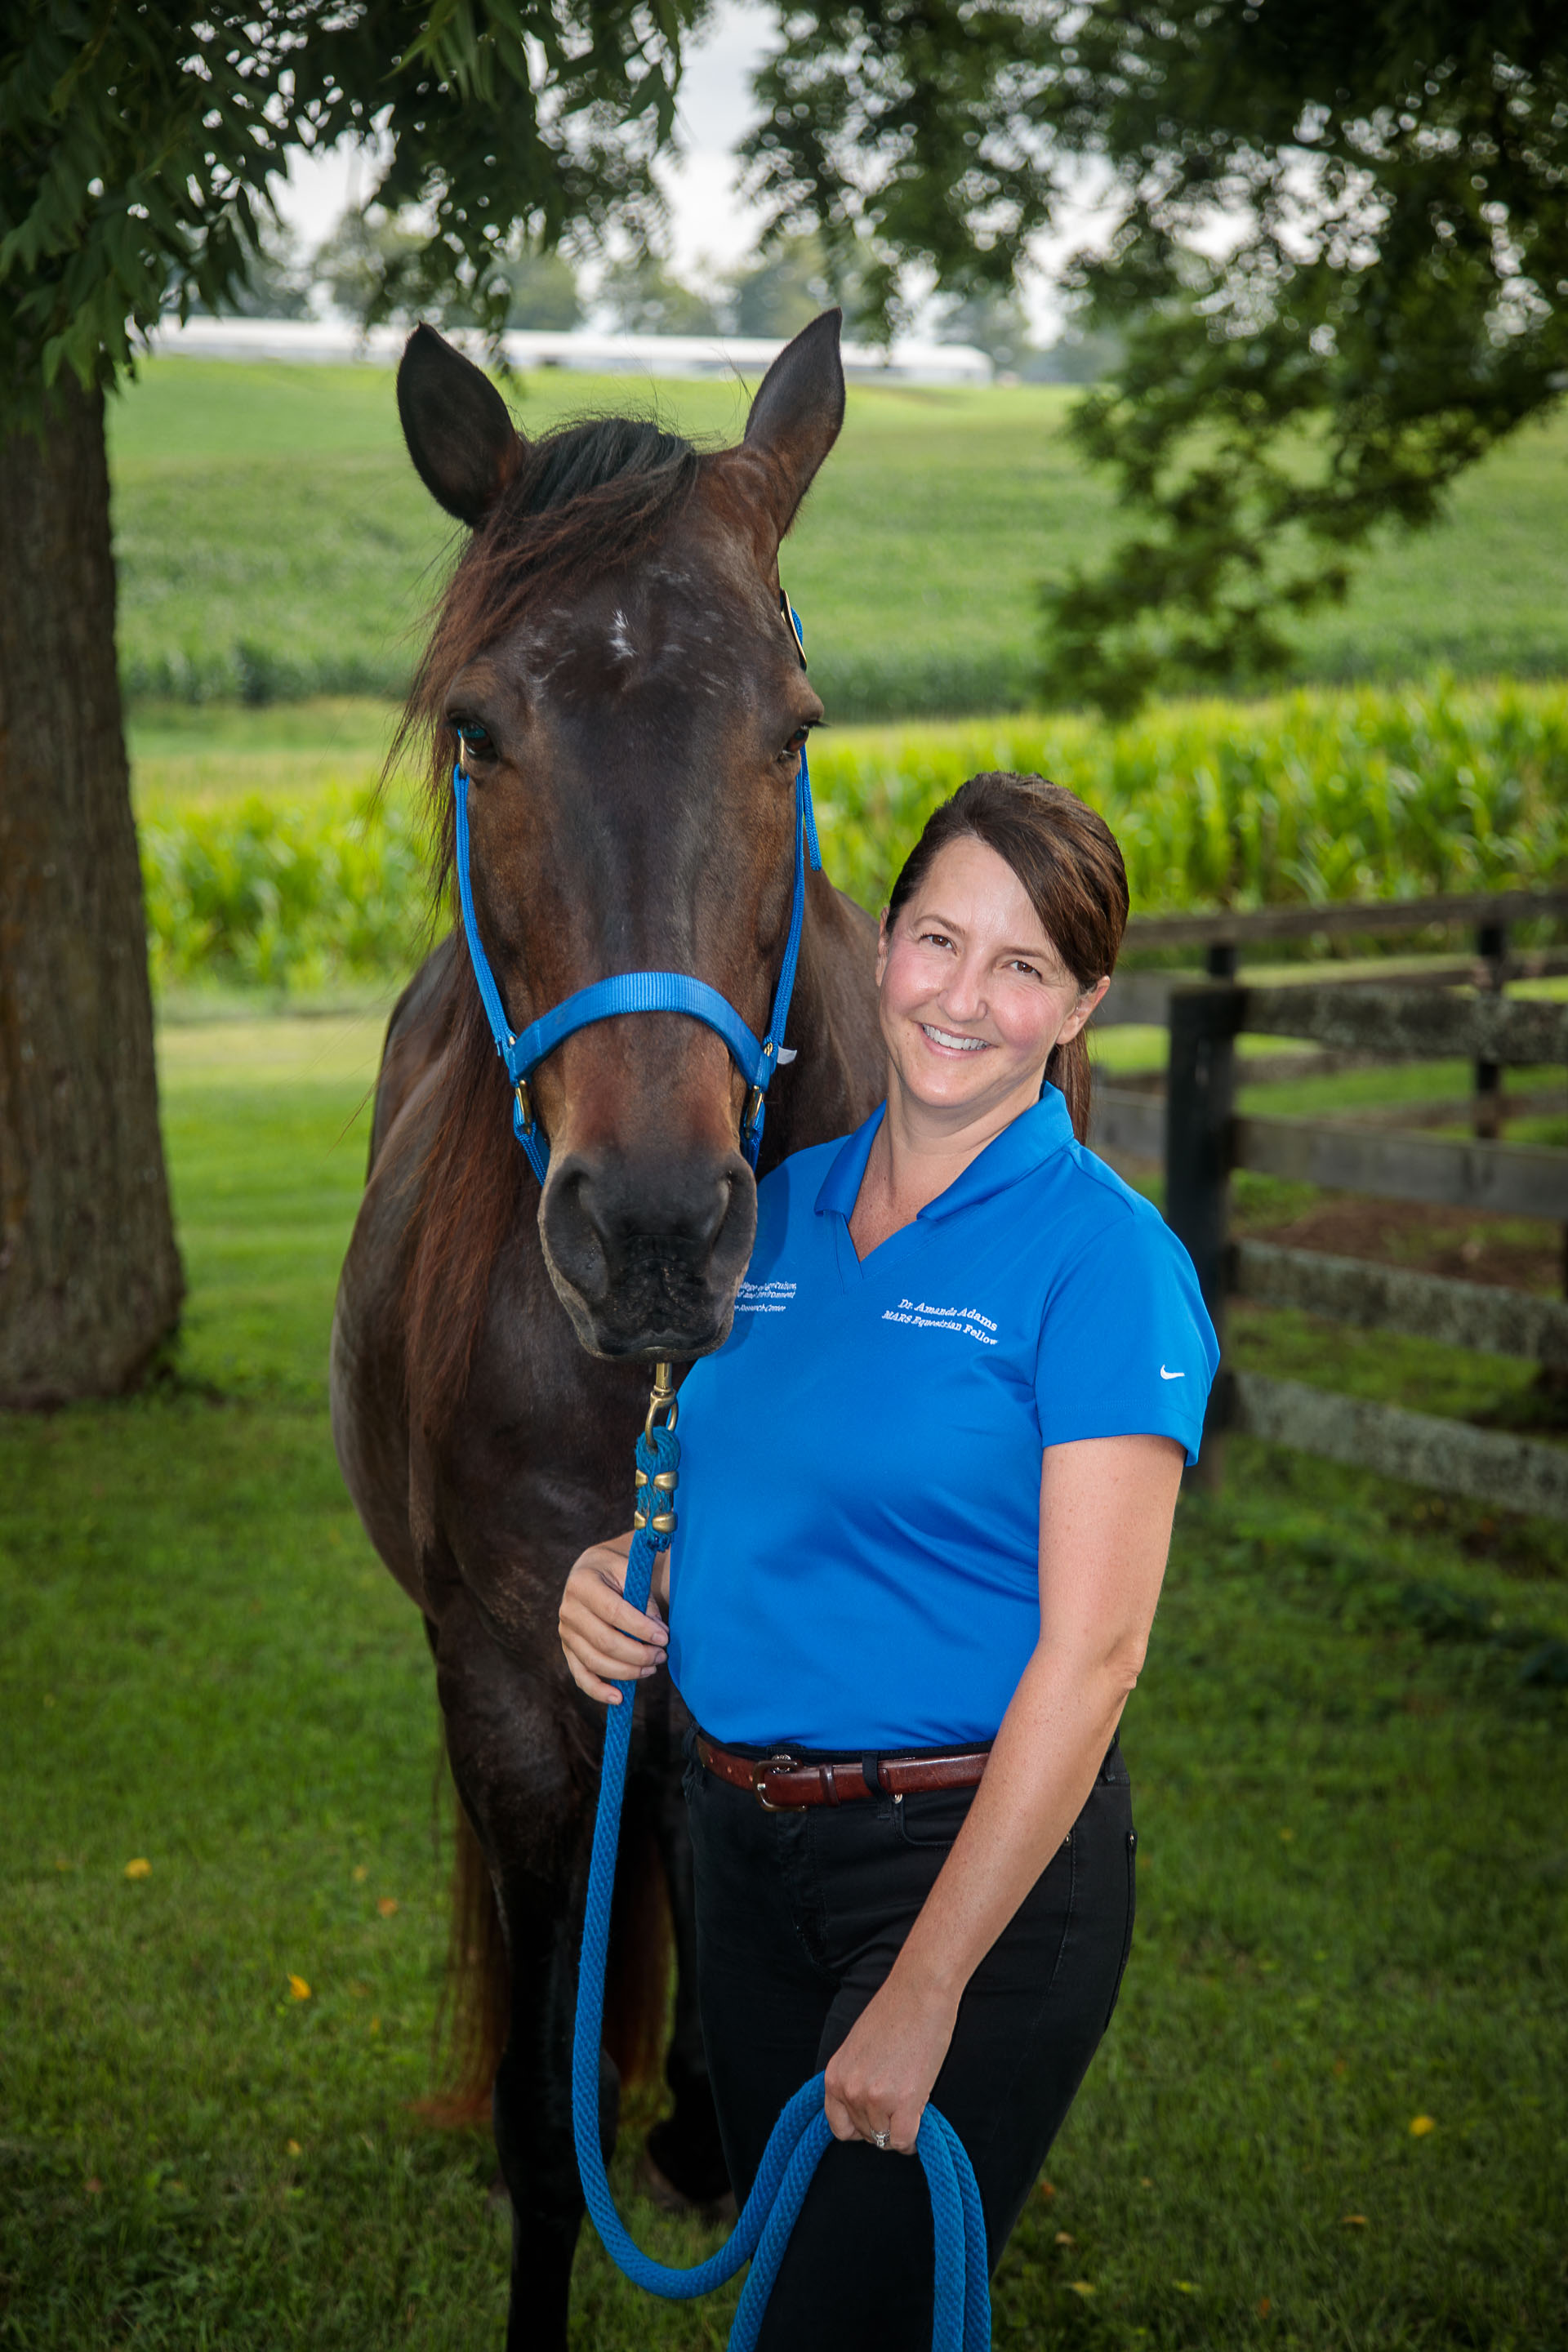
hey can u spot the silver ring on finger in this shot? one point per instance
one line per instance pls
(880, 2139)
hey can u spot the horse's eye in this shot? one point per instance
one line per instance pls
(474, 741)
(797, 741)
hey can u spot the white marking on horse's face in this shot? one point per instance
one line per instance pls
(621, 644)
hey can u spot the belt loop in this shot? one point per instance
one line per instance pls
(829, 1775)
(872, 1773)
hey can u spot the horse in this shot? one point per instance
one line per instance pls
(631, 707)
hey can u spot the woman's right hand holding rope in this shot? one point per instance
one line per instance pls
(606, 1640)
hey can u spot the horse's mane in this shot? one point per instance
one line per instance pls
(577, 502)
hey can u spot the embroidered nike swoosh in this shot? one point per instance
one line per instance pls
(1164, 1375)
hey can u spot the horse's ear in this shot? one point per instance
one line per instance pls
(797, 412)
(459, 434)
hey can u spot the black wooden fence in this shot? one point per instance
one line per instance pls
(1196, 1130)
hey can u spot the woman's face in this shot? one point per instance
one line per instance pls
(973, 995)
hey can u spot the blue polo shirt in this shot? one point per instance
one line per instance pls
(857, 1565)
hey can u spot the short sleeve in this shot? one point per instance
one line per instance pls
(1126, 1347)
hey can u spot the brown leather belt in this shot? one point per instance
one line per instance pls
(781, 1783)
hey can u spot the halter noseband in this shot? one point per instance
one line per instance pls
(641, 992)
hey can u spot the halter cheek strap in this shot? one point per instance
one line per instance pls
(641, 992)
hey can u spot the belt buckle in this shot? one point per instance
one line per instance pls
(763, 1772)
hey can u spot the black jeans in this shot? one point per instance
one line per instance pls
(799, 1918)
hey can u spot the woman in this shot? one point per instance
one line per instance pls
(926, 1501)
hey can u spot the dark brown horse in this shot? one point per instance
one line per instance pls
(611, 646)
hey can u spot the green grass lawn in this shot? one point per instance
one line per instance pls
(185, 755)
(273, 541)
(1353, 1891)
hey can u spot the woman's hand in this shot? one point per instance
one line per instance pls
(606, 1640)
(880, 2076)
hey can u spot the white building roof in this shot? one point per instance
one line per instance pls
(331, 342)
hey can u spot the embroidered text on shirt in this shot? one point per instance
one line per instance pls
(966, 1320)
(763, 1297)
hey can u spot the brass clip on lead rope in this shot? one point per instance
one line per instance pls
(662, 1400)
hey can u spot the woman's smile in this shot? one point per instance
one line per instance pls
(950, 1044)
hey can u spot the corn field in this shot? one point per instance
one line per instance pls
(1367, 793)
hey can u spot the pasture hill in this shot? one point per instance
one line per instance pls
(273, 542)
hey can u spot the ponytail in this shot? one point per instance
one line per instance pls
(1068, 1068)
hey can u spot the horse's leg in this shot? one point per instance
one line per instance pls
(532, 2106)
(510, 1744)
(684, 2147)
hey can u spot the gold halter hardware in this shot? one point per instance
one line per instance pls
(662, 1400)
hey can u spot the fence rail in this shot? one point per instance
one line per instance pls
(1478, 1314)
(1128, 1126)
(1519, 1179)
(1413, 1021)
(1518, 1473)
(1411, 1025)
(1344, 919)
(1196, 1130)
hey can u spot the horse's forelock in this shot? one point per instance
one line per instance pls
(582, 500)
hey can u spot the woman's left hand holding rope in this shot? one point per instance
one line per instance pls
(880, 2076)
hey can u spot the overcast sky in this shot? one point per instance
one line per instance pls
(709, 228)
(708, 224)
(707, 218)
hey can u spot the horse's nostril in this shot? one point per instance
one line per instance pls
(709, 1208)
(573, 1237)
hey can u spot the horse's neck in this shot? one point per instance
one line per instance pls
(836, 1077)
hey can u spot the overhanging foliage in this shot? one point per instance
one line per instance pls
(1337, 259)
(137, 143)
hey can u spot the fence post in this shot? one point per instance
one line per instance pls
(1200, 1101)
(1491, 946)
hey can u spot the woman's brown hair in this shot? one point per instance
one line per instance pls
(1069, 863)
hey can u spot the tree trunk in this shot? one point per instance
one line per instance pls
(90, 1275)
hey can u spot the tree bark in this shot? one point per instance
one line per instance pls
(90, 1275)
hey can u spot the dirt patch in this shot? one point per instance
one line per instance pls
(1467, 1244)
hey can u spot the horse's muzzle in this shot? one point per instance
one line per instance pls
(646, 1254)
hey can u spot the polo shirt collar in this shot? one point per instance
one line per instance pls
(1022, 1146)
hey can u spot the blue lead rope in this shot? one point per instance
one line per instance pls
(962, 2312)
(961, 2321)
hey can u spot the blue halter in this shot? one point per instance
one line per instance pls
(641, 992)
